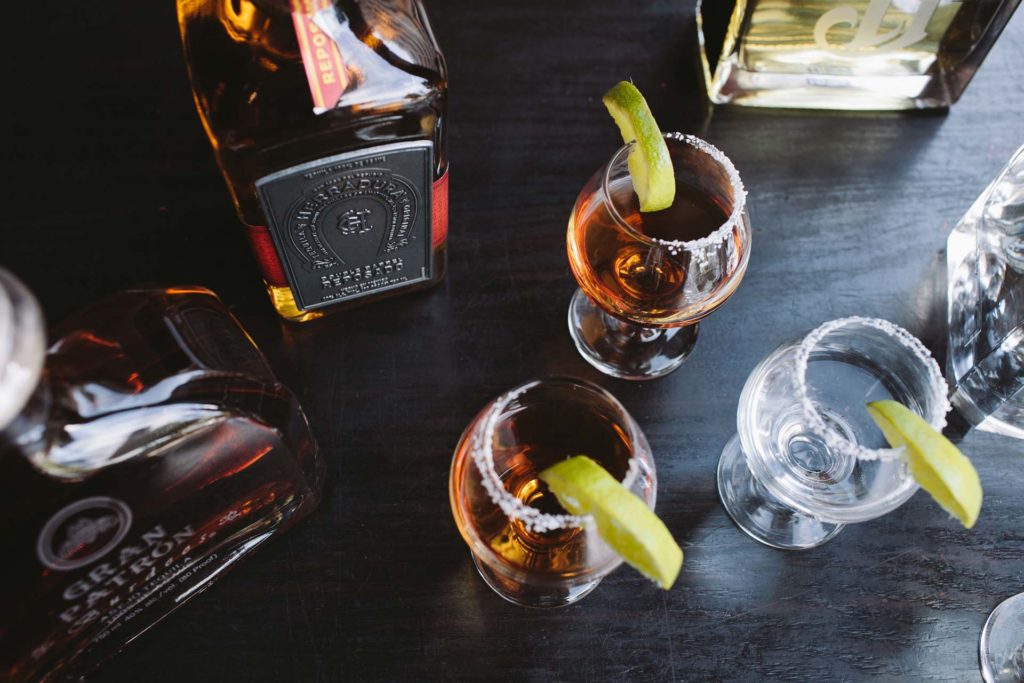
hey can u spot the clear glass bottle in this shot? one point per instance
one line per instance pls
(985, 266)
(845, 54)
(150, 451)
(327, 119)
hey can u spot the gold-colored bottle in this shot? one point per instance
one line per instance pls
(327, 118)
(846, 54)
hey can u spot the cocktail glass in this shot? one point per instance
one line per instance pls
(646, 279)
(1002, 642)
(808, 458)
(525, 546)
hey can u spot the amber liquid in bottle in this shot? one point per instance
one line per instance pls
(387, 86)
(157, 450)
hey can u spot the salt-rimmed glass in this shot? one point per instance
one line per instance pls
(808, 458)
(641, 295)
(22, 346)
(523, 543)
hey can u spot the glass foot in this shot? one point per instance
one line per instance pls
(532, 594)
(1002, 643)
(763, 517)
(627, 350)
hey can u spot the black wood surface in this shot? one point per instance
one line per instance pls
(109, 182)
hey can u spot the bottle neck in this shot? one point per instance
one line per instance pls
(26, 432)
(24, 397)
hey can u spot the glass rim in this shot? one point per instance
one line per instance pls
(739, 194)
(481, 452)
(834, 439)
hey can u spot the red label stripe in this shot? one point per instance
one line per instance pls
(325, 70)
(266, 255)
(440, 210)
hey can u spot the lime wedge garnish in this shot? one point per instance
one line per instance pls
(624, 521)
(650, 165)
(935, 463)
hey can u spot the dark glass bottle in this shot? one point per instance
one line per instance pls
(328, 122)
(151, 450)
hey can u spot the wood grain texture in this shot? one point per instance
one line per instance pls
(113, 184)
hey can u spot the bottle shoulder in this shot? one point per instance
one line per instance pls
(142, 371)
(254, 66)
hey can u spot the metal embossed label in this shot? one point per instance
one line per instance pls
(354, 224)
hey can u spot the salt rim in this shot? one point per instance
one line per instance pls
(533, 519)
(723, 231)
(935, 380)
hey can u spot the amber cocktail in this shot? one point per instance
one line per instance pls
(647, 278)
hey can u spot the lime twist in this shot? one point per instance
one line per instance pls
(650, 165)
(935, 463)
(625, 523)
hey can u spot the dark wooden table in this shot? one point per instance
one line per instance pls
(109, 182)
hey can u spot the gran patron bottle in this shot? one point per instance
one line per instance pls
(846, 54)
(327, 118)
(145, 452)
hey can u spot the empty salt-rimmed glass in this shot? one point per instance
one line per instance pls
(647, 278)
(523, 543)
(808, 458)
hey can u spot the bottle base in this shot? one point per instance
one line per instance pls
(284, 301)
(732, 84)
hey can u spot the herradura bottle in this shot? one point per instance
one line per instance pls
(327, 118)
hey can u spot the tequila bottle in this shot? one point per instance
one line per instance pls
(327, 119)
(846, 54)
(985, 265)
(144, 453)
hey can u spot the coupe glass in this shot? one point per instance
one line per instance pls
(985, 267)
(646, 279)
(525, 546)
(1002, 642)
(808, 458)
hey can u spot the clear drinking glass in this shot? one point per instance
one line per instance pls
(525, 546)
(646, 279)
(808, 458)
(1002, 642)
